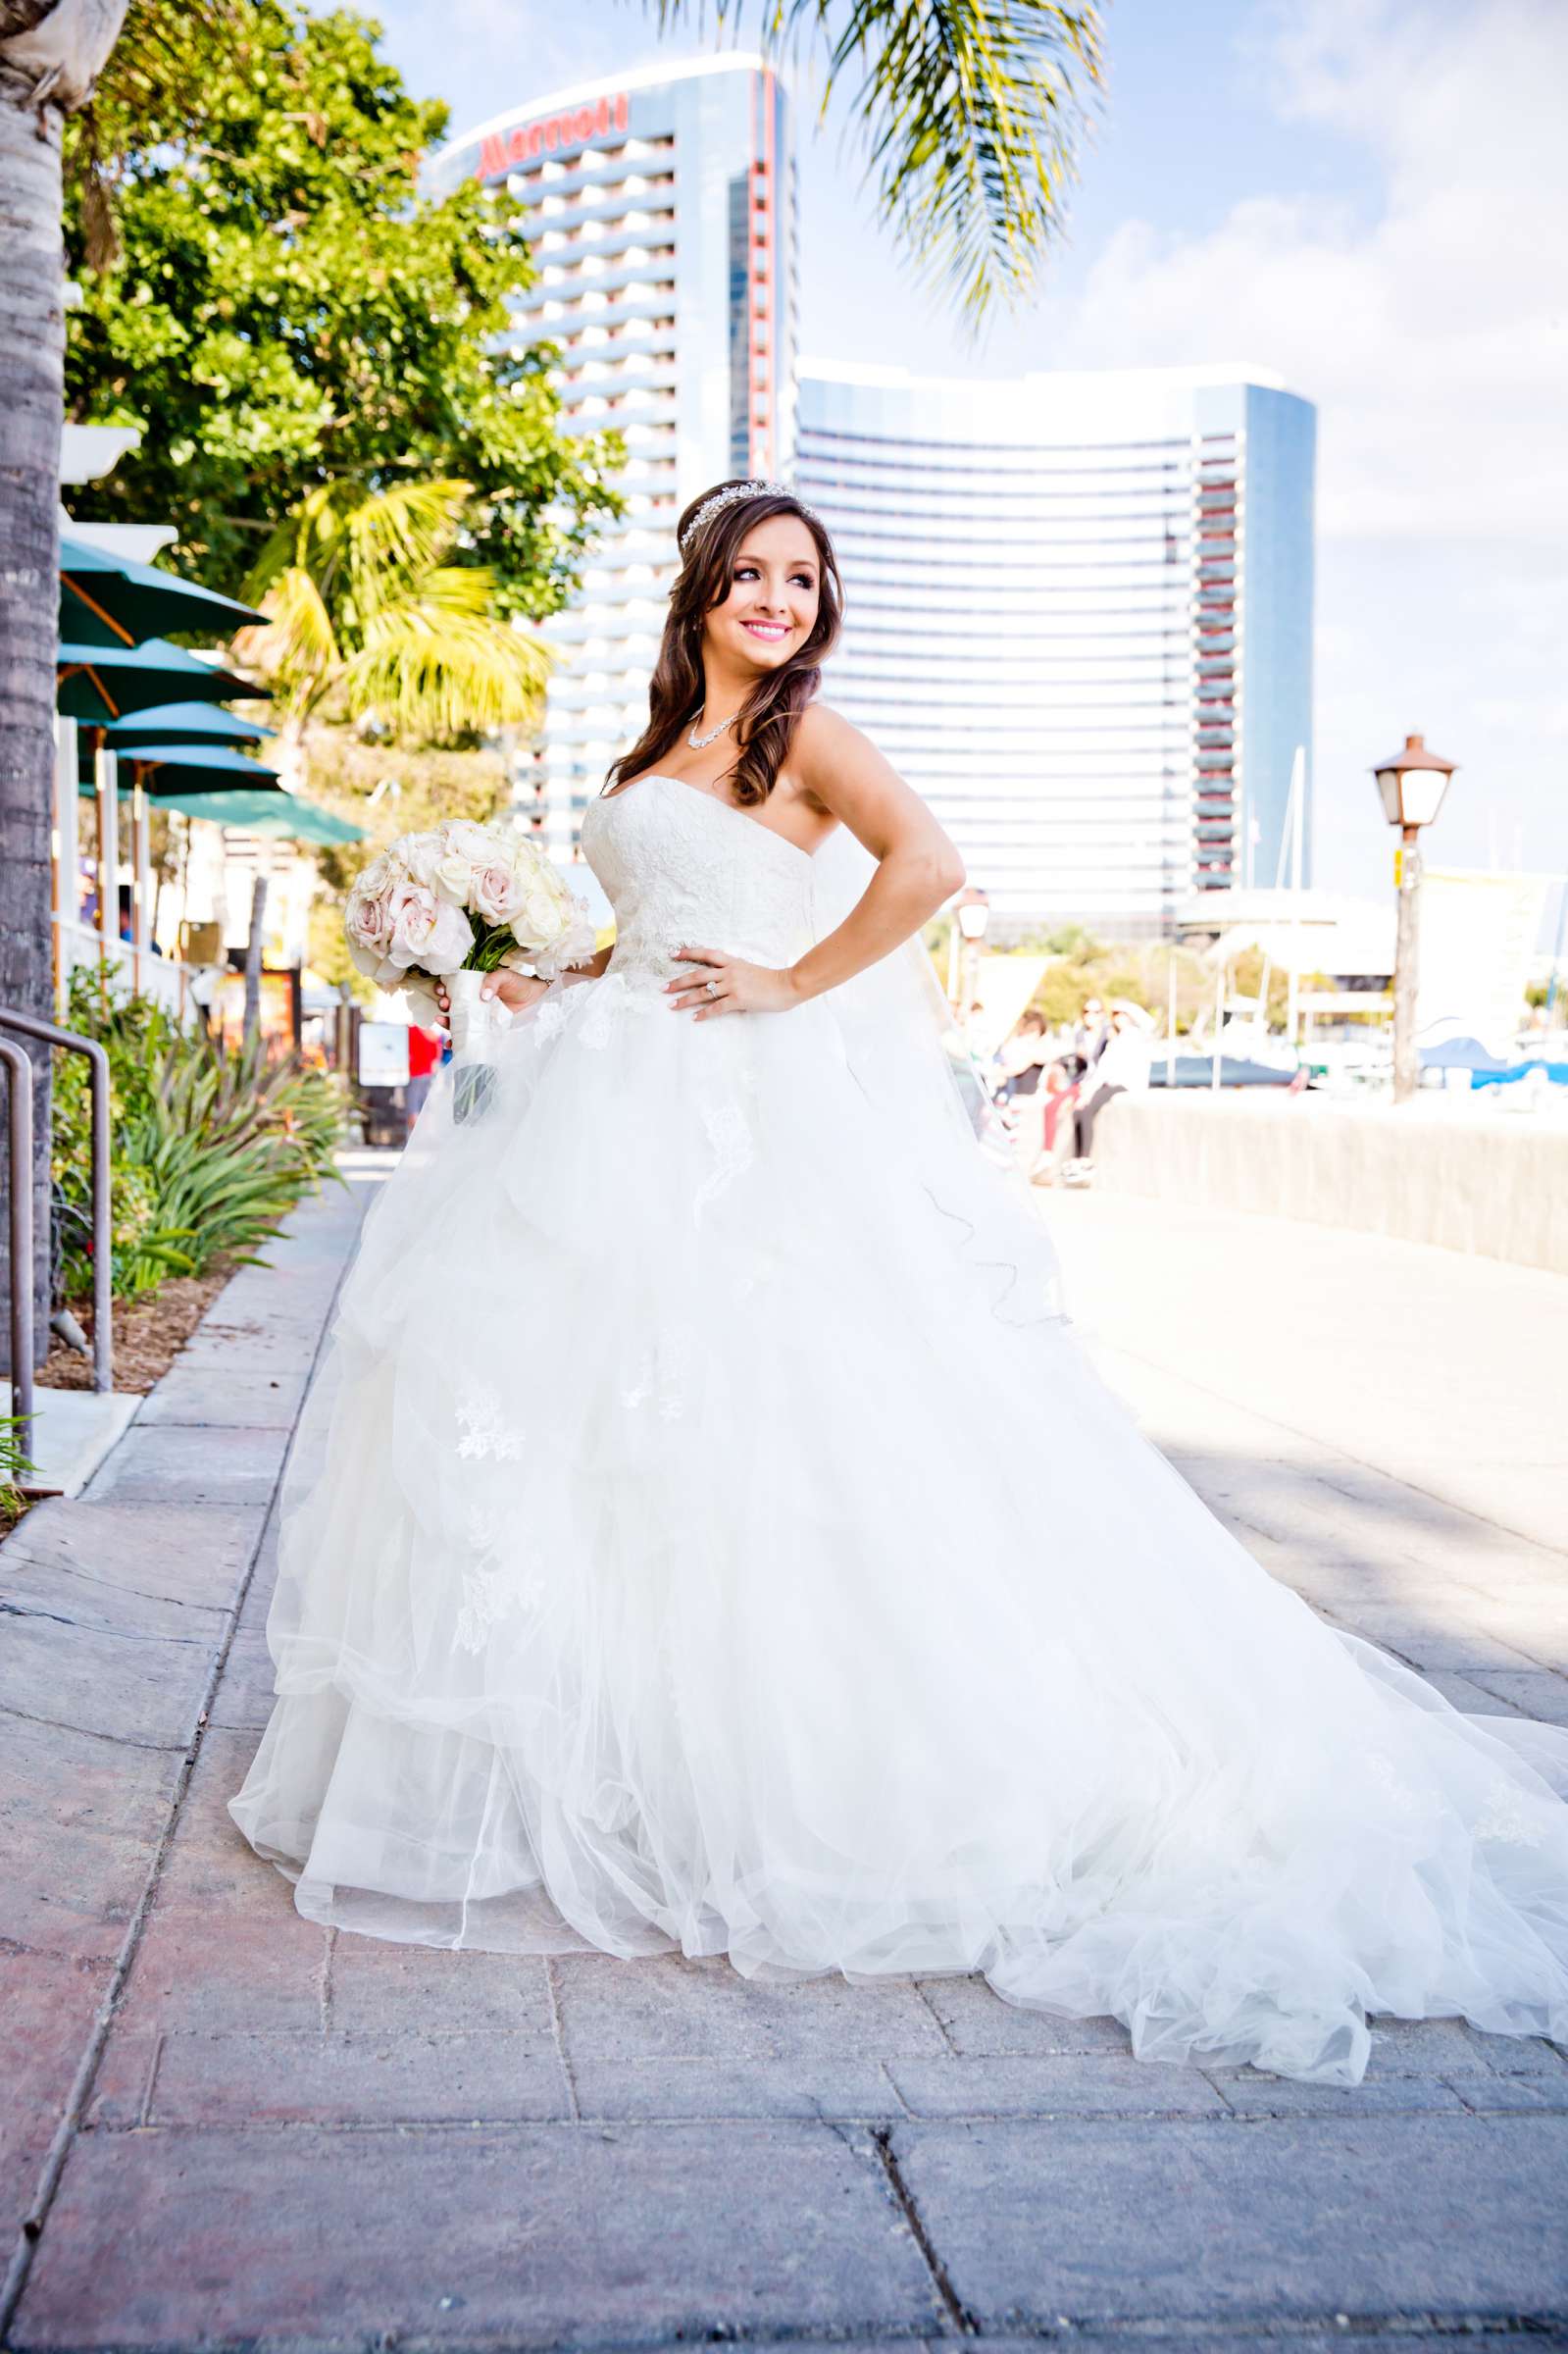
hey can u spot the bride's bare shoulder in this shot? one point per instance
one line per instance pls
(823, 745)
(831, 759)
(821, 733)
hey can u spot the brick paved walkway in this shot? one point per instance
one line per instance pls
(225, 2127)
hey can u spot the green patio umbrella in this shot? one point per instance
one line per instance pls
(202, 724)
(111, 600)
(100, 683)
(264, 812)
(163, 768)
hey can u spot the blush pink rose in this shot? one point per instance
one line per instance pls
(426, 930)
(498, 892)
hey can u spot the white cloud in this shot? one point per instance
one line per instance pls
(1434, 337)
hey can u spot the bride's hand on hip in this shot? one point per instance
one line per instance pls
(513, 990)
(720, 983)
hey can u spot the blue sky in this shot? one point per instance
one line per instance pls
(1367, 197)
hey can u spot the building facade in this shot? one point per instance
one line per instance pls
(660, 208)
(1079, 621)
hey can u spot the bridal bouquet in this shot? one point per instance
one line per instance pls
(453, 905)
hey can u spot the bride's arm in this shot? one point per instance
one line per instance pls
(837, 772)
(918, 868)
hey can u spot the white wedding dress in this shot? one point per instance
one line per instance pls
(704, 1535)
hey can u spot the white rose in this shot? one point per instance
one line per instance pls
(540, 919)
(453, 879)
(536, 868)
(573, 943)
(450, 941)
(461, 837)
(418, 854)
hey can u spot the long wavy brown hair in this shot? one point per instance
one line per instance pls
(767, 719)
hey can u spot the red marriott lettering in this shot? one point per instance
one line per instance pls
(575, 128)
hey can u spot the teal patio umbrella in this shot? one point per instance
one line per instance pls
(111, 600)
(161, 769)
(194, 724)
(263, 811)
(100, 683)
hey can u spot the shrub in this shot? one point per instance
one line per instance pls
(209, 1153)
(14, 1465)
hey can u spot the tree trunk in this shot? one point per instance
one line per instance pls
(51, 52)
(253, 958)
(31, 370)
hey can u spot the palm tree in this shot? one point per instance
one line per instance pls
(970, 112)
(366, 609)
(51, 52)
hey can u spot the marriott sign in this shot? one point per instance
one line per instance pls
(577, 127)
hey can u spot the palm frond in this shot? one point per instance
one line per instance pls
(280, 550)
(971, 111)
(439, 665)
(361, 601)
(297, 647)
(311, 536)
(401, 533)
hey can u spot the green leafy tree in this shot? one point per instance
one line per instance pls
(971, 113)
(367, 609)
(268, 293)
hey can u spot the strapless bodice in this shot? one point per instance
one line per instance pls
(683, 869)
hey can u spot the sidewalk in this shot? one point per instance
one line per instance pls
(227, 2127)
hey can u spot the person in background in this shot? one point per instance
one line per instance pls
(1120, 1068)
(1049, 1117)
(1024, 1055)
(1092, 1030)
(424, 1060)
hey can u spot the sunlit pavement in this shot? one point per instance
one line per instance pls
(226, 2128)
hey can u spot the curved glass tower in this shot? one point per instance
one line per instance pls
(1079, 621)
(660, 209)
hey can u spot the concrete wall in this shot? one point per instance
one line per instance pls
(1491, 1183)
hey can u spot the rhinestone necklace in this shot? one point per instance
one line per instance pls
(700, 744)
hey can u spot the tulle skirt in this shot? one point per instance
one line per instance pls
(703, 1537)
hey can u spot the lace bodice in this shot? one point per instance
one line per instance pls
(681, 868)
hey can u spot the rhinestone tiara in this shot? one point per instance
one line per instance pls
(729, 498)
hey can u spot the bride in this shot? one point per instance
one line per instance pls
(663, 1564)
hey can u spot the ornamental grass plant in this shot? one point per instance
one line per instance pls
(209, 1150)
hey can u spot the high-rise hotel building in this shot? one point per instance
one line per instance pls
(1079, 621)
(1080, 606)
(660, 209)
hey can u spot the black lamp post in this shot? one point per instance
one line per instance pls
(1412, 786)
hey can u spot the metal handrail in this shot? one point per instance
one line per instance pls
(19, 1106)
(50, 1033)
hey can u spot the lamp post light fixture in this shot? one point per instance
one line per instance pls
(1412, 786)
(974, 912)
(972, 909)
